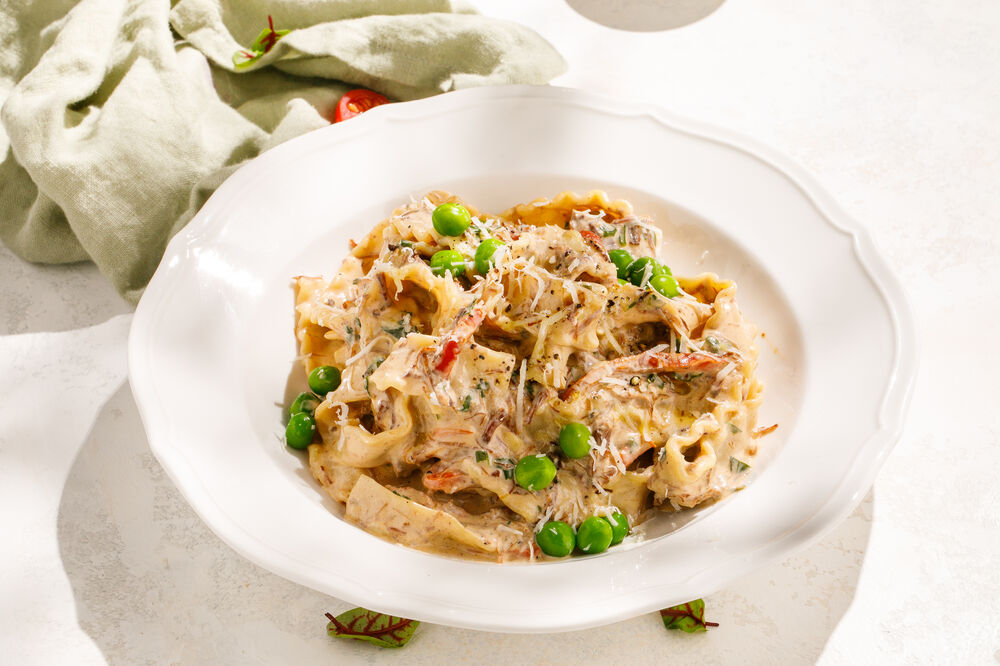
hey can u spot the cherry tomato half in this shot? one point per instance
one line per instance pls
(356, 102)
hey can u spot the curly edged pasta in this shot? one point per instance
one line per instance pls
(470, 349)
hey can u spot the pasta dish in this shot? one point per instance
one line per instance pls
(524, 385)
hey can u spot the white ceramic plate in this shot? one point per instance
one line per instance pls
(211, 349)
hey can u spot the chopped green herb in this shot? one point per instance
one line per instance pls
(621, 240)
(405, 243)
(736, 466)
(656, 380)
(401, 328)
(482, 456)
(506, 466)
(353, 333)
(369, 370)
(685, 376)
(607, 231)
(482, 385)
(468, 308)
(733, 428)
(466, 404)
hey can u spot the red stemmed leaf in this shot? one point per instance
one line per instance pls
(689, 617)
(364, 625)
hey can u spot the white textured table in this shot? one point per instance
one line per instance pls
(894, 106)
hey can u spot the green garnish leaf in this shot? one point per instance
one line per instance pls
(737, 466)
(405, 243)
(265, 41)
(466, 404)
(689, 617)
(482, 386)
(361, 624)
(733, 428)
(607, 231)
(482, 456)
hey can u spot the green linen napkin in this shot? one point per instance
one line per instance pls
(121, 117)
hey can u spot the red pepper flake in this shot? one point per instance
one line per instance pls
(449, 354)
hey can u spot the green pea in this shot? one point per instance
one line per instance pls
(621, 259)
(594, 535)
(305, 402)
(451, 219)
(574, 440)
(556, 538)
(324, 379)
(534, 472)
(300, 430)
(619, 526)
(448, 261)
(637, 270)
(485, 252)
(665, 284)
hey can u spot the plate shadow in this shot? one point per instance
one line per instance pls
(152, 584)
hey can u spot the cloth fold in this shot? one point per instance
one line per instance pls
(121, 117)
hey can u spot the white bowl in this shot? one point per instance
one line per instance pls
(211, 348)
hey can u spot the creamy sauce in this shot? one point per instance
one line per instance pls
(447, 382)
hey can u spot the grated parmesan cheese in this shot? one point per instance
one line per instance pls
(614, 342)
(520, 395)
(364, 350)
(508, 529)
(616, 456)
(544, 519)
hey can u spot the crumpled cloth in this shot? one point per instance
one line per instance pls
(121, 117)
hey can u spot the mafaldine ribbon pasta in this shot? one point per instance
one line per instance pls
(448, 381)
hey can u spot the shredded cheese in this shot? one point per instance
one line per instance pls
(520, 395)
(364, 350)
(613, 341)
